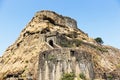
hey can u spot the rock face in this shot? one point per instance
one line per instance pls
(56, 19)
(51, 43)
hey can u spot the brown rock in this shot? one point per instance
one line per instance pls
(49, 30)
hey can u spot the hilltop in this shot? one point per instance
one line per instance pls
(50, 33)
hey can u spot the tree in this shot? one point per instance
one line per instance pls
(99, 40)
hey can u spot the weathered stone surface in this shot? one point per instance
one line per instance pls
(56, 19)
(54, 63)
(48, 31)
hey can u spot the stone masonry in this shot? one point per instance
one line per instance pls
(54, 63)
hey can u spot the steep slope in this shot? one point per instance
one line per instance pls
(21, 58)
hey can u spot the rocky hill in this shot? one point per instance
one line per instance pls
(49, 33)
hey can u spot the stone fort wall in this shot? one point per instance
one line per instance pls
(54, 63)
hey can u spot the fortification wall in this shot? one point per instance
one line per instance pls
(54, 63)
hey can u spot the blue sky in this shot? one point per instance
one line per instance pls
(98, 18)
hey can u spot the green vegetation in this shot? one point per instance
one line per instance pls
(71, 43)
(76, 42)
(51, 57)
(71, 76)
(82, 76)
(99, 40)
(65, 44)
(68, 76)
(99, 48)
(102, 49)
(110, 77)
(118, 65)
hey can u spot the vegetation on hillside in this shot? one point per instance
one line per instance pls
(99, 40)
(68, 76)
